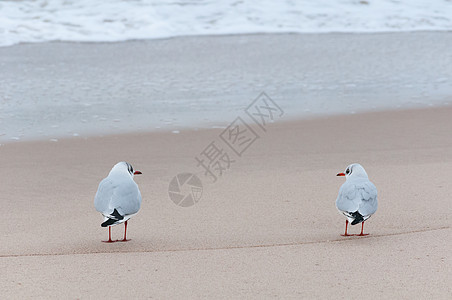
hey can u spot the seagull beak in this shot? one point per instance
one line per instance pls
(137, 173)
(340, 174)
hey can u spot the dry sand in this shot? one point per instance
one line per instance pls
(267, 228)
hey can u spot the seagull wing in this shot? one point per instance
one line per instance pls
(357, 195)
(104, 195)
(347, 200)
(126, 197)
(369, 203)
(118, 193)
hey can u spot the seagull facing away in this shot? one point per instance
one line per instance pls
(118, 197)
(357, 199)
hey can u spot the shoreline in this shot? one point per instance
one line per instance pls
(267, 226)
(60, 89)
(286, 121)
(220, 35)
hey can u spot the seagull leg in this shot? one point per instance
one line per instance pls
(125, 233)
(362, 229)
(109, 236)
(346, 225)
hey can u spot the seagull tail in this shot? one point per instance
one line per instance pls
(358, 218)
(113, 219)
(109, 222)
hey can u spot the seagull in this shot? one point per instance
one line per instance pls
(357, 199)
(118, 197)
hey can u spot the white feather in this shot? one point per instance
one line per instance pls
(118, 191)
(357, 194)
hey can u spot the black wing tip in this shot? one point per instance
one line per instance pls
(116, 215)
(115, 218)
(358, 218)
(108, 222)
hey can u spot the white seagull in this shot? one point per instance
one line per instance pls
(357, 199)
(118, 197)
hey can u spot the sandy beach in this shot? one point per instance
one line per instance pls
(260, 104)
(267, 228)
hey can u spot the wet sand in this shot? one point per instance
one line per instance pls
(53, 90)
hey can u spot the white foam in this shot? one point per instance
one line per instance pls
(119, 20)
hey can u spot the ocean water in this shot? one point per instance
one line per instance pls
(119, 20)
(53, 90)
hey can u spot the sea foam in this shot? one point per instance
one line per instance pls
(119, 20)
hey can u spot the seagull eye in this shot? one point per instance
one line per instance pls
(348, 171)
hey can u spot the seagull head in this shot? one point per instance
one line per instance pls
(354, 171)
(124, 167)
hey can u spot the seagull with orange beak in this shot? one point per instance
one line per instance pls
(357, 199)
(118, 197)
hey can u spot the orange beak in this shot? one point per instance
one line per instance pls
(137, 173)
(340, 174)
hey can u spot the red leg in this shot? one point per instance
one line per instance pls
(109, 236)
(362, 229)
(346, 225)
(125, 233)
